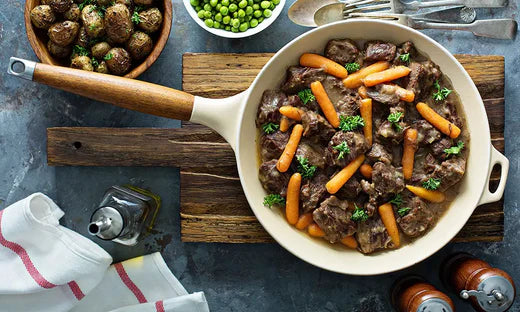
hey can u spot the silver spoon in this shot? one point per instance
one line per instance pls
(301, 12)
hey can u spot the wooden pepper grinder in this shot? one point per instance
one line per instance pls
(489, 289)
(413, 294)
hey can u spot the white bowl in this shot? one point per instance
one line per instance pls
(229, 34)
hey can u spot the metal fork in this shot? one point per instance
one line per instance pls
(492, 28)
(396, 6)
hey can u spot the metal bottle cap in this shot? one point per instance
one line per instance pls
(434, 305)
(106, 223)
(494, 294)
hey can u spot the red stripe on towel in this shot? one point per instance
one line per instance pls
(128, 282)
(159, 306)
(26, 260)
(74, 287)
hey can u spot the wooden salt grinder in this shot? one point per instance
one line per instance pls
(489, 289)
(413, 294)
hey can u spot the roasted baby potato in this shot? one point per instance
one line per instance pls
(118, 61)
(58, 51)
(100, 49)
(60, 6)
(150, 20)
(93, 21)
(139, 45)
(102, 68)
(73, 13)
(118, 24)
(63, 33)
(82, 62)
(42, 16)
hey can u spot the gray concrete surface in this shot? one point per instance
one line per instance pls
(259, 277)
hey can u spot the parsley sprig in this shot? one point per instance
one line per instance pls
(304, 168)
(454, 150)
(108, 56)
(398, 202)
(405, 57)
(306, 96)
(274, 199)
(349, 123)
(432, 184)
(79, 50)
(84, 3)
(394, 118)
(343, 149)
(442, 93)
(359, 214)
(352, 67)
(270, 127)
(135, 18)
(94, 62)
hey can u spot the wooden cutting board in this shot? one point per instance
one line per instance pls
(213, 206)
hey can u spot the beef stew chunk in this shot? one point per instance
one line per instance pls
(380, 51)
(342, 51)
(351, 206)
(333, 217)
(417, 220)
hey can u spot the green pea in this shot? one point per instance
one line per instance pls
(194, 2)
(265, 4)
(243, 27)
(241, 13)
(235, 30)
(226, 20)
(250, 2)
(207, 14)
(257, 13)
(268, 13)
(233, 7)
(208, 22)
(260, 19)
(249, 10)
(227, 28)
(225, 2)
(218, 17)
(276, 2)
(242, 4)
(216, 24)
(222, 26)
(207, 7)
(253, 23)
(224, 10)
(235, 23)
(256, 7)
(198, 8)
(200, 14)
(213, 3)
(248, 18)
(271, 7)
(218, 7)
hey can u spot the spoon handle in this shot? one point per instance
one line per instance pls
(469, 3)
(491, 28)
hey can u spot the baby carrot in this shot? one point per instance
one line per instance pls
(438, 121)
(349, 241)
(318, 61)
(315, 231)
(326, 105)
(344, 175)
(386, 75)
(366, 171)
(433, 196)
(292, 204)
(356, 79)
(304, 220)
(291, 112)
(409, 148)
(362, 90)
(290, 148)
(365, 108)
(386, 213)
(284, 124)
(405, 95)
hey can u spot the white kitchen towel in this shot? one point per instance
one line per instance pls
(47, 267)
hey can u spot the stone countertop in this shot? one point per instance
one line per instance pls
(241, 277)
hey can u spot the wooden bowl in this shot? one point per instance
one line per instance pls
(38, 39)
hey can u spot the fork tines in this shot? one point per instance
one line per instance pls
(365, 6)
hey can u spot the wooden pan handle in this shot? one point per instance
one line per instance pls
(132, 94)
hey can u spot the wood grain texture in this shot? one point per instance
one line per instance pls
(208, 171)
(38, 39)
(204, 220)
(128, 93)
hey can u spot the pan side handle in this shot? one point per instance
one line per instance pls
(128, 93)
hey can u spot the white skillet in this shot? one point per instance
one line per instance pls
(234, 119)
